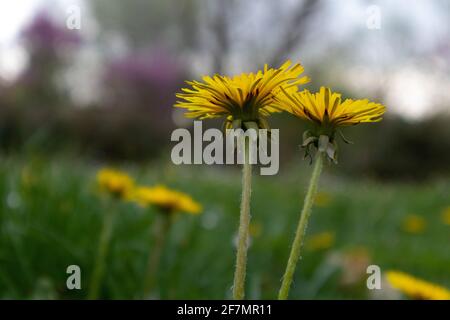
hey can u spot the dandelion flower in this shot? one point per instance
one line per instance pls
(115, 182)
(119, 185)
(327, 109)
(416, 288)
(414, 224)
(166, 199)
(168, 202)
(328, 112)
(242, 99)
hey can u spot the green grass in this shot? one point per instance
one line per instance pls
(51, 213)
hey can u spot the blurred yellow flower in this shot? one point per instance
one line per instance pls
(255, 229)
(446, 216)
(246, 98)
(320, 241)
(166, 199)
(416, 288)
(414, 224)
(322, 199)
(27, 177)
(115, 182)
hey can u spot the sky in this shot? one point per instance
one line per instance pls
(13, 16)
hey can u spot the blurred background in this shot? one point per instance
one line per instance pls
(75, 99)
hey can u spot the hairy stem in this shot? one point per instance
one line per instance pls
(301, 229)
(244, 223)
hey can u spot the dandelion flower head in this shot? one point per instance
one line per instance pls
(416, 288)
(327, 109)
(115, 182)
(165, 199)
(243, 99)
(414, 224)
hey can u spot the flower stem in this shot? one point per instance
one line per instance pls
(244, 223)
(103, 247)
(160, 231)
(301, 229)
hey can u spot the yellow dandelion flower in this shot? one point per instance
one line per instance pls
(242, 99)
(414, 224)
(416, 288)
(328, 111)
(166, 199)
(446, 216)
(320, 241)
(115, 182)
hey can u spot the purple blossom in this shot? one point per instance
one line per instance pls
(144, 84)
(149, 70)
(45, 34)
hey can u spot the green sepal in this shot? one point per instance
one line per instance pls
(308, 141)
(264, 124)
(332, 151)
(307, 134)
(251, 125)
(344, 138)
(225, 125)
(308, 153)
(237, 124)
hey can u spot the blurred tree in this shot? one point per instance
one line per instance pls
(30, 106)
(48, 46)
(143, 23)
(294, 31)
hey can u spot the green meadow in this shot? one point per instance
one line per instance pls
(51, 215)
